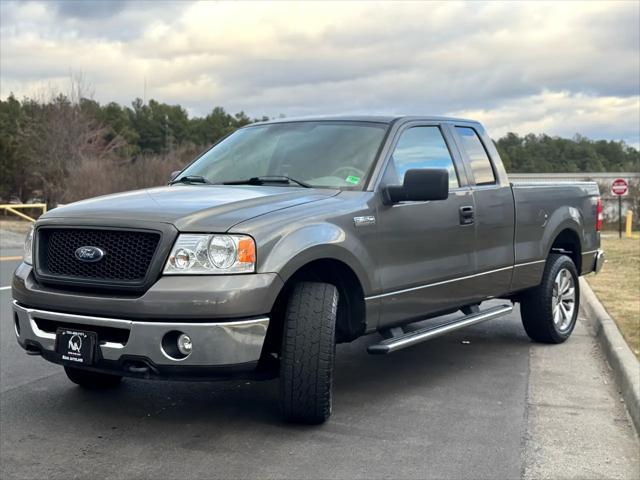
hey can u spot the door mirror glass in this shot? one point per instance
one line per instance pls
(420, 185)
(174, 175)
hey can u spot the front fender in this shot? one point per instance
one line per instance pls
(321, 241)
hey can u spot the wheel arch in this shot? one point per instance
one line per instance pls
(351, 314)
(567, 242)
(325, 252)
(562, 234)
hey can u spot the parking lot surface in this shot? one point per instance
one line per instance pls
(481, 403)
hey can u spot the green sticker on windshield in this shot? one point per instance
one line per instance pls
(352, 179)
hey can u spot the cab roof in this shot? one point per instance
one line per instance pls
(388, 119)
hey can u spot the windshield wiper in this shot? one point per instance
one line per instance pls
(267, 179)
(191, 179)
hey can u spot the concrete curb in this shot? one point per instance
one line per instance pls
(625, 365)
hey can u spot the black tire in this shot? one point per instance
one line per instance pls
(308, 353)
(537, 305)
(92, 380)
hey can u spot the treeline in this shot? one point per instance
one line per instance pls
(71, 147)
(160, 128)
(545, 154)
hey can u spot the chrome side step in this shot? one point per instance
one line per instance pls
(398, 342)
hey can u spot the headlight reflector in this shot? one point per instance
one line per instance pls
(211, 254)
(183, 259)
(222, 251)
(28, 248)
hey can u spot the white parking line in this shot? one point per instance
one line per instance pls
(5, 288)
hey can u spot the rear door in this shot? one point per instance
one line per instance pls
(494, 213)
(424, 249)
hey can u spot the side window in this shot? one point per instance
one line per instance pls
(420, 147)
(480, 163)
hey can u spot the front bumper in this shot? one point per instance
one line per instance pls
(138, 350)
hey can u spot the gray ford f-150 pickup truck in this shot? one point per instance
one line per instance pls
(288, 237)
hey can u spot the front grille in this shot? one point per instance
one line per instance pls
(127, 254)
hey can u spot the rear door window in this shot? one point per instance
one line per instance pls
(478, 157)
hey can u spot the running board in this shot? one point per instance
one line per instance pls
(405, 340)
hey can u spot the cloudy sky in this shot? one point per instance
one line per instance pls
(558, 68)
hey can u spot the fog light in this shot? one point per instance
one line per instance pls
(184, 344)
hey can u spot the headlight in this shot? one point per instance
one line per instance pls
(211, 254)
(28, 248)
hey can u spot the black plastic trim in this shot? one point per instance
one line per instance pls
(143, 368)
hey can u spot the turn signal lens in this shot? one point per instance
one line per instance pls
(246, 250)
(599, 215)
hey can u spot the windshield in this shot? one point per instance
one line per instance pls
(319, 154)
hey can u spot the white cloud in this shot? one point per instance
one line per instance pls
(564, 114)
(554, 67)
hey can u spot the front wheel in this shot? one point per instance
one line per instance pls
(550, 310)
(308, 352)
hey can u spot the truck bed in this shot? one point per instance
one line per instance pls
(543, 211)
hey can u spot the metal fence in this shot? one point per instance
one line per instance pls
(15, 209)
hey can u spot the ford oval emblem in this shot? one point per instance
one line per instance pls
(89, 254)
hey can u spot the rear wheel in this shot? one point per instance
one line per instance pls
(92, 380)
(550, 310)
(308, 352)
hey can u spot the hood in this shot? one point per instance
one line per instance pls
(195, 208)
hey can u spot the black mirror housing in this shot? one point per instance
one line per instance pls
(420, 185)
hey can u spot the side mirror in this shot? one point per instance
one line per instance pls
(419, 185)
(174, 175)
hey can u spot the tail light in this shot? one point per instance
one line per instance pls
(599, 215)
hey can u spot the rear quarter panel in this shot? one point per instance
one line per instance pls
(543, 211)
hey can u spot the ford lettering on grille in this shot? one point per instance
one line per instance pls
(89, 254)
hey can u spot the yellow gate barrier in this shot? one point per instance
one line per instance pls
(14, 207)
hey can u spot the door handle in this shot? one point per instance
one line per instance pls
(467, 215)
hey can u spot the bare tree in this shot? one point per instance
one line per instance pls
(60, 136)
(116, 175)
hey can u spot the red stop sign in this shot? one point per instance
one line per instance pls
(619, 186)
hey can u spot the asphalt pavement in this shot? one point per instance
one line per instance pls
(481, 403)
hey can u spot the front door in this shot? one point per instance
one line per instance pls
(425, 249)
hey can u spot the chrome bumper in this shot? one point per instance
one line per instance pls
(599, 262)
(214, 344)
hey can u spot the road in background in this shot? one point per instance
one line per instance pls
(16, 368)
(483, 402)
